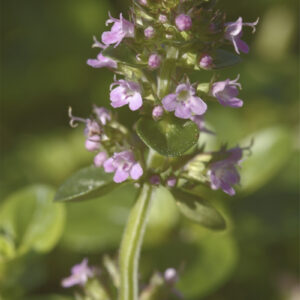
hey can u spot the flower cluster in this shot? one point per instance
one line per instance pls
(158, 42)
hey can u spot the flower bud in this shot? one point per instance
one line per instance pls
(154, 180)
(206, 62)
(154, 61)
(162, 18)
(171, 181)
(171, 276)
(157, 112)
(92, 143)
(149, 32)
(100, 158)
(183, 22)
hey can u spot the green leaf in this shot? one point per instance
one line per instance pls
(170, 136)
(87, 183)
(30, 220)
(198, 210)
(223, 59)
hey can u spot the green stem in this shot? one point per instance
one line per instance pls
(131, 244)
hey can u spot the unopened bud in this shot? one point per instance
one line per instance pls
(154, 180)
(171, 276)
(206, 62)
(183, 22)
(154, 61)
(149, 32)
(162, 18)
(157, 112)
(171, 181)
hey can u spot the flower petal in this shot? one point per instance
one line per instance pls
(169, 102)
(135, 102)
(136, 171)
(120, 175)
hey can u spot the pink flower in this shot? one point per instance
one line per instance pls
(183, 22)
(121, 29)
(184, 102)
(79, 275)
(233, 33)
(102, 114)
(206, 62)
(124, 165)
(127, 92)
(100, 158)
(157, 112)
(101, 62)
(226, 92)
(223, 174)
(149, 32)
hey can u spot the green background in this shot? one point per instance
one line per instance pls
(45, 45)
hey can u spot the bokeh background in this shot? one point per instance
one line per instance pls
(45, 45)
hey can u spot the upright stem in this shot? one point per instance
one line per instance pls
(131, 244)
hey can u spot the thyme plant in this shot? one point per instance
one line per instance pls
(152, 53)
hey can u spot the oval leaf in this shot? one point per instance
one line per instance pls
(87, 183)
(223, 59)
(169, 136)
(198, 210)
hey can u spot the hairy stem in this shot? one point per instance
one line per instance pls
(131, 244)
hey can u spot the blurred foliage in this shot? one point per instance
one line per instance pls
(44, 49)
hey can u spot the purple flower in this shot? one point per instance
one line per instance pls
(206, 62)
(120, 30)
(184, 102)
(149, 32)
(234, 31)
(92, 143)
(183, 22)
(124, 165)
(223, 174)
(102, 114)
(79, 275)
(154, 61)
(100, 158)
(101, 62)
(127, 92)
(226, 92)
(157, 112)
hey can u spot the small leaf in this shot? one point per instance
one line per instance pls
(88, 183)
(198, 210)
(169, 136)
(223, 59)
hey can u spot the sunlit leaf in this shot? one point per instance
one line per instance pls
(88, 183)
(170, 136)
(31, 220)
(198, 210)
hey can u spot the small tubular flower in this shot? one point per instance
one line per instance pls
(234, 31)
(102, 61)
(124, 165)
(199, 121)
(206, 62)
(184, 102)
(223, 174)
(157, 112)
(100, 158)
(92, 143)
(79, 275)
(226, 92)
(149, 32)
(126, 92)
(121, 29)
